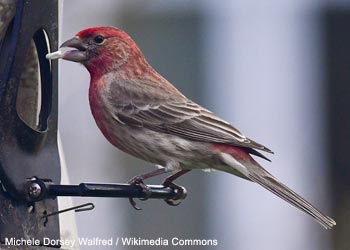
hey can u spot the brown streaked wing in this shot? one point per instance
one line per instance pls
(186, 119)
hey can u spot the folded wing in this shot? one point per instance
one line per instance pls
(179, 116)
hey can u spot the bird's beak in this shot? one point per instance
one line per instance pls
(78, 55)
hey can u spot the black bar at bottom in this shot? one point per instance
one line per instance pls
(114, 190)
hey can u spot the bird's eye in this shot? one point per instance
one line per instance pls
(99, 39)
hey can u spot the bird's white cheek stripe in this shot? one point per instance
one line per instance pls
(229, 160)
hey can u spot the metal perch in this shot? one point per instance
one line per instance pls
(40, 189)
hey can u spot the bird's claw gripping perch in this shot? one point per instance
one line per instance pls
(138, 181)
(180, 191)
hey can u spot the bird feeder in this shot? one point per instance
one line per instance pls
(30, 169)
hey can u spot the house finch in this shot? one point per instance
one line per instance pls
(142, 114)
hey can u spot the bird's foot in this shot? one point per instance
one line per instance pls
(180, 192)
(138, 181)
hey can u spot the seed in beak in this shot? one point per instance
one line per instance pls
(54, 55)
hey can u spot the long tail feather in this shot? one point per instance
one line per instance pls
(240, 163)
(259, 175)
